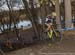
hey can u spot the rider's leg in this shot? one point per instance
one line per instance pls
(50, 34)
(48, 27)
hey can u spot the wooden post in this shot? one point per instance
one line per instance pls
(57, 9)
(68, 15)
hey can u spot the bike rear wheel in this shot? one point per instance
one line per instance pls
(57, 37)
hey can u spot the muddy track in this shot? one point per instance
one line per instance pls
(66, 46)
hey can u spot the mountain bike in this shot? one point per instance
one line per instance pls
(54, 35)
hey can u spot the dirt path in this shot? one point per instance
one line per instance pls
(66, 47)
(47, 49)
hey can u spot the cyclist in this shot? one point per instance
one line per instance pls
(49, 21)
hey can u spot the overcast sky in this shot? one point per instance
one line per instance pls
(18, 4)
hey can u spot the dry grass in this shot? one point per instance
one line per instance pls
(70, 34)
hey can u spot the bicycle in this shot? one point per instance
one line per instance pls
(54, 35)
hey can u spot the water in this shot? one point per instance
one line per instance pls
(25, 24)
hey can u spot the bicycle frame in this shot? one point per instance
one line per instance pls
(50, 33)
(54, 30)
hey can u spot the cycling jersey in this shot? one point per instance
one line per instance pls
(49, 19)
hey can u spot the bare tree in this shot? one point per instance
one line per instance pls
(10, 13)
(31, 16)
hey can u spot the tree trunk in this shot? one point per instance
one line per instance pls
(43, 15)
(30, 16)
(10, 10)
(68, 13)
(57, 9)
